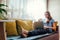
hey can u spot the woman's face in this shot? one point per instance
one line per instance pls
(46, 15)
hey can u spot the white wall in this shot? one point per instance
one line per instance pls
(0, 1)
(54, 8)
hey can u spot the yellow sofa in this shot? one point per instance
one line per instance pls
(14, 29)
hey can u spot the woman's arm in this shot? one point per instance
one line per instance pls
(53, 27)
(45, 27)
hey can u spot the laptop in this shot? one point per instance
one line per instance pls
(38, 25)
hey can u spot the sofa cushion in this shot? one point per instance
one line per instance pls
(11, 28)
(26, 24)
(28, 38)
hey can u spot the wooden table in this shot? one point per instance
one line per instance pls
(2, 29)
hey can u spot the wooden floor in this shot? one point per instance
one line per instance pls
(51, 37)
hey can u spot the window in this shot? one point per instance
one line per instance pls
(26, 9)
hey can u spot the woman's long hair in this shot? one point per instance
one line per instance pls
(49, 18)
(49, 15)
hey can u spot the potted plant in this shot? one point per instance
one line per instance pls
(2, 11)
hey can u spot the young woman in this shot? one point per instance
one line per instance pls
(47, 27)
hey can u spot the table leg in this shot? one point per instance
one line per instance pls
(2, 31)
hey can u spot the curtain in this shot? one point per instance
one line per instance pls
(26, 9)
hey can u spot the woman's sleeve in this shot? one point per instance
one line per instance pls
(51, 22)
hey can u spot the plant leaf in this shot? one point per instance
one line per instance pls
(0, 11)
(3, 5)
(3, 10)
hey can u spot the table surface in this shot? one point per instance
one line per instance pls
(7, 20)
